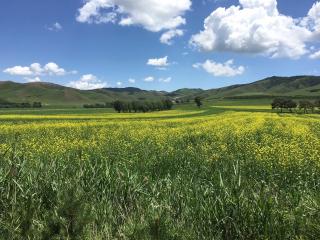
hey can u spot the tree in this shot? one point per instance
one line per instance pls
(317, 104)
(125, 107)
(135, 106)
(167, 104)
(198, 101)
(306, 105)
(290, 104)
(25, 105)
(118, 106)
(312, 106)
(283, 103)
(37, 105)
(278, 103)
(138, 106)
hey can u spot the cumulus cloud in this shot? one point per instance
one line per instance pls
(35, 69)
(165, 80)
(158, 62)
(256, 26)
(53, 69)
(149, 79)
(315, 55)
(312, 20)
(152, 15)
(167, 37)
(131, 80)
(35, 79)
(88, 82)
(56, 27)
(227, 69)
(119, 84)
(19, 70)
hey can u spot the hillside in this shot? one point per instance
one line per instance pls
(53, 94)
(298, 86)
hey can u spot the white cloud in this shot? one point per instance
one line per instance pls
(256, 26)
(149, 79)
(53, 69)
(313, 18)
(167, 37)
(88, 82)
(269, 5)
(119, 84)
(226, 69)
(152, 15)
(158, 62)
(131, 80)
(315, 55)
(19, 70)
(165, 80)
(35, 69)
(35, 79)
(56, 27)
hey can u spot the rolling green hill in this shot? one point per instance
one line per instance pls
(53, 94)
(296, 87)
(56, 95)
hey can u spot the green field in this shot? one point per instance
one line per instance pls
(230, 170)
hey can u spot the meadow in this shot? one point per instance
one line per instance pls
(226, 171)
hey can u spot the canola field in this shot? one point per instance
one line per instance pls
(215, 173)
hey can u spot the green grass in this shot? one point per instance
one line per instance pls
(225, 171)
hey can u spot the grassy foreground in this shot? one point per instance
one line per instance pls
(218, 173)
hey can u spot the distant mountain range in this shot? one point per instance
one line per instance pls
(53, 94)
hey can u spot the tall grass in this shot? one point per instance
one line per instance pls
(233, 176)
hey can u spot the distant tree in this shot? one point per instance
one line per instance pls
(278, 103)
(118, 106)
(160, 106)
(25, 105)
(144, 107)
(317, 104)
(96, 105)
(283, 103)
(167, 104)
(312, 107)
(198, 101)
(306, 105)
(125, 107)
(135, 106)
(37, 105)
(139, 106)
(290, 104)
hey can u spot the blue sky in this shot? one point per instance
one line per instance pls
(88, 44)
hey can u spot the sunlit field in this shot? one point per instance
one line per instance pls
(220, 172)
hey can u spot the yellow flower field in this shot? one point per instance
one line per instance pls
(170, 175)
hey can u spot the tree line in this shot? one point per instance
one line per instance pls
(290, 105)
(136, 106)
(20, 105)
(99, 105)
